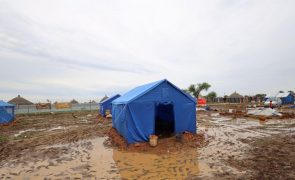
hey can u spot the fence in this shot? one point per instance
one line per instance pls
(26, 109)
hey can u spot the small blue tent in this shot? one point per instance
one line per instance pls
(107, 104)
(154, 108)
(6, 112)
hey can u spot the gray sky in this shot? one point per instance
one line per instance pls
(83, 49)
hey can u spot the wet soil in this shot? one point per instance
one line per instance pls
(168, 144)
(75, 146)
(269, 158)
(29, 132)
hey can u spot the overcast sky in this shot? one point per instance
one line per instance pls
(61, 50)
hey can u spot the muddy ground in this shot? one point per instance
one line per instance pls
(75, 146)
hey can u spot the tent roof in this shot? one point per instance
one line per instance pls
(20, 101)
(5, 104)
(282, 95)
(235, 95)
(107, 99)
(278, 95)
(143, 89)
(271, 95)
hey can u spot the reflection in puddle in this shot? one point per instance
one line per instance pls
(88, 159)
(84, 159)
(148, 166)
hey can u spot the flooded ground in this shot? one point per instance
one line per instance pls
(65, 146)
(83, 159)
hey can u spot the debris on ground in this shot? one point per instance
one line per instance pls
(153, 140)
(264, 112)
(109, 116)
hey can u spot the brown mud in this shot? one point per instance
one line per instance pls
(75, 146)
(164, 145)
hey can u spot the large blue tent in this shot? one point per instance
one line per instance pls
(107, 104)
(6, 112)
(152, 108)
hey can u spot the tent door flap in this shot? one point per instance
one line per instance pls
(164, 119)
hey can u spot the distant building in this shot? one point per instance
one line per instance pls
(74, 102)
(219, 99)
(20, 101)
(235, 98)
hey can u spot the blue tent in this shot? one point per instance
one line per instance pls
(107, 104)
(6, 112)
(154, 108)
(287, 98)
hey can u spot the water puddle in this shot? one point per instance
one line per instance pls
(57, 128)
(85, 159)
(88, 159)
(48, 130)
(178, 165)
(28, 130)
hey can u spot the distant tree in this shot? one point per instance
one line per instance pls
(195, 90)
(186, 91)
(211, 96)
(260, 97)
(281, 91)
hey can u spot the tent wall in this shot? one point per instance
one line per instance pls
(107, 105)
(119, 118)
(184, 108)
(6, 114)
(141, 122)
(288, 100)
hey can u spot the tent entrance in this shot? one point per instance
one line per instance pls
(164, 120)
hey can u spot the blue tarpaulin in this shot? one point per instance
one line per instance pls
(153, 107)
(107, 104)
(6, 112)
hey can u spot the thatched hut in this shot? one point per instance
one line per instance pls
(74, 101)
(20, 101)
(235, 98)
